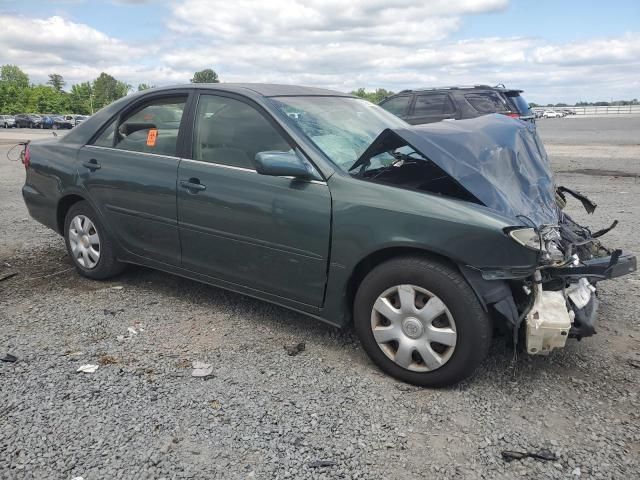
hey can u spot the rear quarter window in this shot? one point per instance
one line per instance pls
(487, 102)
(520, 104)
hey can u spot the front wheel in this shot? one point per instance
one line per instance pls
(420, 322)
(89, 244)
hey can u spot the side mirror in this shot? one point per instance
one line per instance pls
(282, 164)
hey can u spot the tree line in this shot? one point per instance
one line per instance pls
(19, 95)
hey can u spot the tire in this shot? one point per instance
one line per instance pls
(463, 324)
(102, 266)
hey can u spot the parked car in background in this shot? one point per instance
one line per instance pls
(7, 121)
(456, 103)
(48, 119)
(64, 122)
(80, 118)
(423, 238)
(28, 120)
(552, 114)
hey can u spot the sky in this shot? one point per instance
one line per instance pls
(556, 51)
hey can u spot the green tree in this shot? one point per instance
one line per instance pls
(56, 81)
(205, 76)
(144, 86)
(13, 75)
(107, 89)
(376, 96)
(80, 98)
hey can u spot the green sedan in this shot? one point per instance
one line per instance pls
(425, 239)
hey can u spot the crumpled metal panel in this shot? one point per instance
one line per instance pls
(501, 161)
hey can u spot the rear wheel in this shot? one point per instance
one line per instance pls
(89, 244)
(420, 322)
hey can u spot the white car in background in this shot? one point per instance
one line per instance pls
(552, 114)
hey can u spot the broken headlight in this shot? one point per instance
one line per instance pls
(528, 237)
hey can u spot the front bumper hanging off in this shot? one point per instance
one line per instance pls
(571, 312)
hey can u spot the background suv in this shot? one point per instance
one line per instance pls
(456, 103)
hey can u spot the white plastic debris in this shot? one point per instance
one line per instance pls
(132, 331)
(88, 368)
(201, 369)
(117, 287)
(576, 472)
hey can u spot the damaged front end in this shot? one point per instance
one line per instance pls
(502, 165)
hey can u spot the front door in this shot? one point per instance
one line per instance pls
(269, 234)
(130, 174)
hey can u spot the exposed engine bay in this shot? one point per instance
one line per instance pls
(502, 164)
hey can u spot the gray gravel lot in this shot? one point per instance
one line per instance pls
(265, 414)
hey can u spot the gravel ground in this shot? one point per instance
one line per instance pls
(265, 414)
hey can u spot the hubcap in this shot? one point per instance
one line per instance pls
(84, 241)
(413, 328)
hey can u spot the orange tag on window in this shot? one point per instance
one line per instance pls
(152, 136)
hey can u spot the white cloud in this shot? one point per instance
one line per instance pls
(330, 43)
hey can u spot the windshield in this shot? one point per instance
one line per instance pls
(341, 127)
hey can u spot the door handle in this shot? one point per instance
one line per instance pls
(193, 184)
(91, 164)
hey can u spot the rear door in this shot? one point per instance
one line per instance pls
(130, 173)
(431, 107)
(266, 233)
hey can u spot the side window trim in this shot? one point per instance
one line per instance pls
(138, 105)
(259, 108)
(190, 131)
(447, 97)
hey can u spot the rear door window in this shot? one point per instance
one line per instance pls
(152, 128)
(397, 105)
(487, 102)
(433, 104)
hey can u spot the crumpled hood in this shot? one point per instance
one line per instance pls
(500, 161)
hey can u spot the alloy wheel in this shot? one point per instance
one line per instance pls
(84, 241)
(413, 328)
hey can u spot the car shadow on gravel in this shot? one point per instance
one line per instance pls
(50, 270)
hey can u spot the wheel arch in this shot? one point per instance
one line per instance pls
(64, 204)
(373, 259)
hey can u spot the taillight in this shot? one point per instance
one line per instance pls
(26, 157)
(512, 115)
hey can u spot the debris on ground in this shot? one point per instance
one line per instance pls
(322, 463)
(576, 471)
(544, 454)
(9, 358)
(293, 350)
(202, 370)
(132, 331)
(88, 368)
(107, 360)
